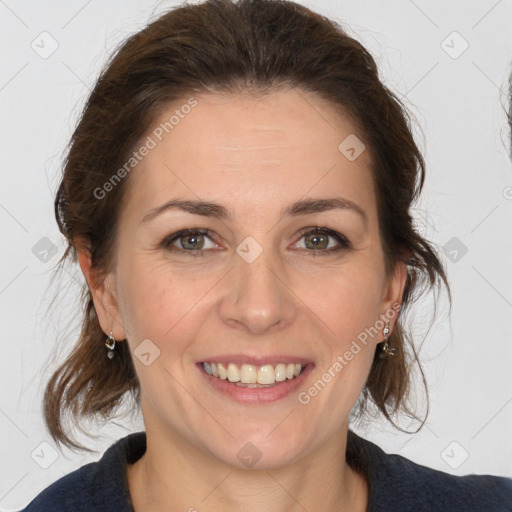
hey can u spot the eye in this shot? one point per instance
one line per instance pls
(193, 241)
(317, 241)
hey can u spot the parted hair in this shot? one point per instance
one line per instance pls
(232, 47)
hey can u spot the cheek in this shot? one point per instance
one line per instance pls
(157, 302)
(147, 297)
(347, 303)
(346, 299)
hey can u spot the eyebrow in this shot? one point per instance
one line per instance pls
(218, 211)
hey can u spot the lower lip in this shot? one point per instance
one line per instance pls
(241, 394)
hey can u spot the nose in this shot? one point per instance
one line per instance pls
(259, 299)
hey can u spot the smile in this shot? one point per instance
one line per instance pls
(248, 375)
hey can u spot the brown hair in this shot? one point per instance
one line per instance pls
(222, 46)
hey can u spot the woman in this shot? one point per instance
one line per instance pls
(237, 194)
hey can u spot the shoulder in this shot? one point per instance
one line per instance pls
(100, 485)
(67, 493)
(436, 490)
(398, 484)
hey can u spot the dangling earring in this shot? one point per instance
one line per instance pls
(387, 351)
(110, 343)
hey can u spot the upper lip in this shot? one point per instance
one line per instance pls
(259, 360)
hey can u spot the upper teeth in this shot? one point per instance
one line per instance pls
(250, 374)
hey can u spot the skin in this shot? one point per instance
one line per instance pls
(254, 155)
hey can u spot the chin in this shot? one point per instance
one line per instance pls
(261, 448)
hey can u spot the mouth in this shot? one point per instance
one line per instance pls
(252, 376)
(246, 382)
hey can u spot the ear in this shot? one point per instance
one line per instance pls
(393, 294)
(103, 293)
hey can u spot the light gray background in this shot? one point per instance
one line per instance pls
(459, 106)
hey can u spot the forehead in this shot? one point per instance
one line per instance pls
(252, 151)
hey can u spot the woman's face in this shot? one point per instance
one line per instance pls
(284, 275)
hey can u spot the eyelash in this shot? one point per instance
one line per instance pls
(343, 241)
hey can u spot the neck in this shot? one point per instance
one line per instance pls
(174, 476)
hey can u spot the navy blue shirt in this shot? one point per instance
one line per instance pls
(396, 484)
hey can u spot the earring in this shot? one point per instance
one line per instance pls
(387, 351)
(110, 343)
